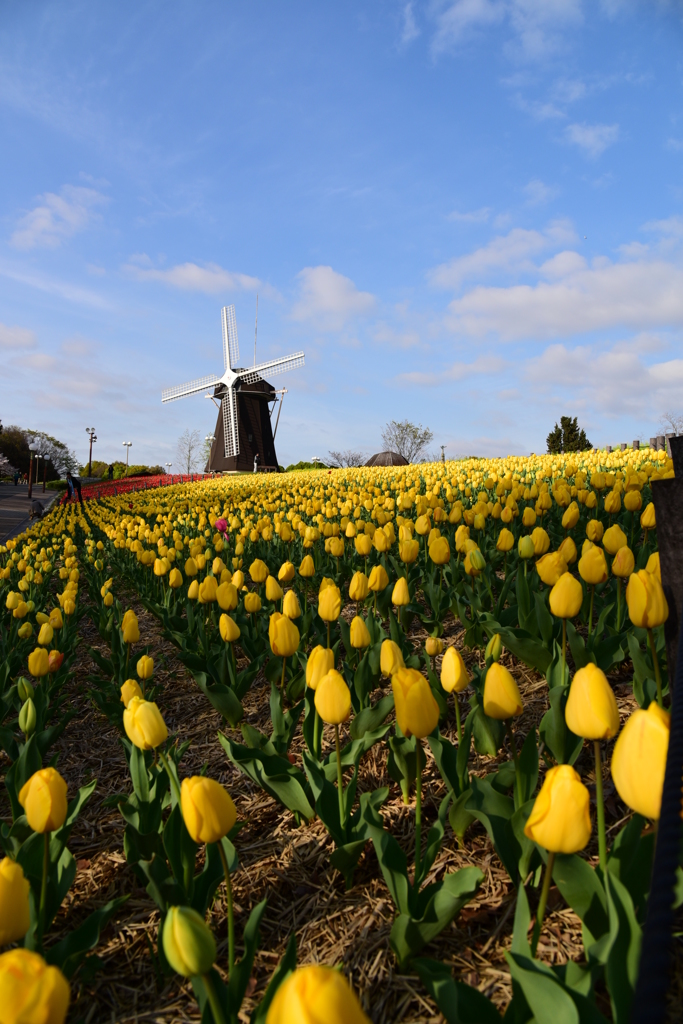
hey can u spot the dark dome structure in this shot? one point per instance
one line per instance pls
(387, 459)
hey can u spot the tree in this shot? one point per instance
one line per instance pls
(14, 445)
(346, 458)
(567, 436)
(189, 450)
(670, 423)
(407, 439)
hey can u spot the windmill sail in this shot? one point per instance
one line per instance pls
(231, 348)
(272, 367)
(191, 388)
(231, 437)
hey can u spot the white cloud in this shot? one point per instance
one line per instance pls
(482, 366)
(457, 20)
(575, 298)
(671, 226)
(536, 26)
(329, 299)
(384, 334)
(190, 277)
(53, 286)
(410, 29)
(674, 144)
(479, 216)
(16, 338)
(612, 379)
(58, 217)
(593, 139)
(537, 192)
(508, 253)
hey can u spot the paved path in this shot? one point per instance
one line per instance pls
(15, 507)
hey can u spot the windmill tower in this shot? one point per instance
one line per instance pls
(243, 428)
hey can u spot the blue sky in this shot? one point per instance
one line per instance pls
(468, 213)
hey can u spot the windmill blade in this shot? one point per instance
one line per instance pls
(272, 367)
(231, 348)
(231, 437)
(191, 388)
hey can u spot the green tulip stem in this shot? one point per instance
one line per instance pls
(618, 603)
(590, 610)
(317, 736)
(655, 662)
(127, 657)
(513, 747)
(329, 645)
(418, 814)
(173, 780)
(43, 886)
(213, 1000)
(540, 913)
(457, 718)
(340, 781)
(282, 679)
(564, 648)
(231, 915)
(525, 561)
(600, 803)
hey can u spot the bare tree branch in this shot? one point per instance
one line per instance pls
(408, 439)
(346, 458)
(189, 450)
(671, 423)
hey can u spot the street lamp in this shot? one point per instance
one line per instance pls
(168, 467)
(91, 432)
(127, 445)
(210, 438)
(38, 456)
(443, 454)
(32, 448)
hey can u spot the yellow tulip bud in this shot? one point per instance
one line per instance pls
(252, 603)
(653, 565)
(145, 667)
(633, 501)
(528, 517)
(541, 540)
(494, 648)
(647, 605)
(506, 540)
(433, 646)
(228, 628)
(21, 610)
(560, 818)
(647, 517)
(283, 635)
(258, 570)
(591, 710)
(208, 810)
(130, 629)
(189, 946)
(568, 550)
(144, 725)
(400, 595)
(363, 544)
(391, 659)
(56, 620)
(360, 636)
(208, 590)
(15, 914)
(329, 604)
(439, 551)
(43, 798)
(333, 698)
(566, 597)
(613, 502)
(130, 689)
(287, 571)
(193, 590)
(290, 606)
(307, 567)
(160, 567)
(551, 567)
(422, 525)
(613, 539)
(109, 598)
(320, 662)
(191, 567)
(313, 994)
(273, 589)
(38, 662)
(525, 547)
(408, 550)
(594, 531)
(501, 694)
(454, 675)
(639, 760)
(592, 565)
(30, 990)
(571, 516)
(227, 597)
(358, 588)
(417, 711)
(238, 580)
(623, 563)
(26, 631)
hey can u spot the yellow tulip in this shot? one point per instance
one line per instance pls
(193, 590)
(189, 946)
(283, 635)
(528, 517)
(45, 635)
(227, 597)
(333, 698)
(258, 570)
(228, 629)
(238, 580)
(391, 659)
(400, 595)
(613, 539)
(208, 590)
(160, 567)
(591, 710)
(290, 605)
(541, 540)
(408, 550)
(417, 711)
(145, 667)
(551, 567)
(433, 646)
(287, 571)
(320, 662)
(501, 694)
(568, 550)
(422, 525)
(571, 516)
(378, 579)
(175, 580)
(454, 675)
(647, 518)
(144, 726)
(130, 689)
(639, 760)
(208, 810)
(191, 567)
(560, 818)
(358, 587)
(595, 531)
(56, 620)
(130, 628)
(273, 589)
(647, 605)
(329, 604)
(359, 635)
(653, 565)
(307, 567)
(612, 502)
(623, 563)
(592, 565)
(313, 995)
(30, 991)
(633, 501)
(506, 540)
(439, 551)
(15, 913)
(38, 662)
(525, 548)
(252, 603)
(363, 544)
(566, 597)
(43, 798)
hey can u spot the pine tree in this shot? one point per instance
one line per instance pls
(567, 436)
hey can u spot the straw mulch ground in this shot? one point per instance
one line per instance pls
(289, 865)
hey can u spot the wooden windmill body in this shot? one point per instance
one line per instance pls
(243, 428)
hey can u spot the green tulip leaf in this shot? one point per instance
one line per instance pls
(282, 971)
(283, 781)
(630, 860)
(370, 719)
(70, 952)
(458, 1002)
(222, 698)
(439, 904)
(545, 995)
(564, 745)
(582, 889)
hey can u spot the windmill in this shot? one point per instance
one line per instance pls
(243, 428)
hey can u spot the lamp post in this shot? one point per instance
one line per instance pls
(91, 432)
(32, 448)
(127, 445)
(168, 467)
(38, 456)
(44, 472)
(443, 453)
(210, 438)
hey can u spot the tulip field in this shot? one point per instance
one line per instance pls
(336, 746)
